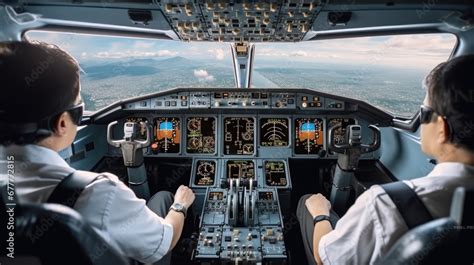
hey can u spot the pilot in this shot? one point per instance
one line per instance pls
(373, 224)
(40, 88)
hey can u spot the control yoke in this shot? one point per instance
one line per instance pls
(347, 162)
(354, 137)
(130, 145)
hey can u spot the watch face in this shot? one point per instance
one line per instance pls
(178, 206)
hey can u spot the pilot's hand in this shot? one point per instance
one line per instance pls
(317, 204)
(184, 196)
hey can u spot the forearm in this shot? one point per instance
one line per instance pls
(320, 229)
(176, 220)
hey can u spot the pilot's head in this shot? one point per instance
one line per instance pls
(447, 120)
(40, 101)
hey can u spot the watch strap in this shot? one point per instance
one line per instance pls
(182, 209)
(320, 218)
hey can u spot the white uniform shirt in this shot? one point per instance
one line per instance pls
(108, 205)
(373, 224)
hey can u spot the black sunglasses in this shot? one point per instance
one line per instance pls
(76, 113)
(425, 114)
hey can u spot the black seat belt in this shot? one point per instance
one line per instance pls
(408, 203)
(70, 188)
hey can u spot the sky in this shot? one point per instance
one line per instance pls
(422, 51)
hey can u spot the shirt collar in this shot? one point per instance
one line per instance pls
(34, 154)
(453, 169)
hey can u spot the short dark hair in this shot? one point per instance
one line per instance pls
(451, 94)
(37, 81)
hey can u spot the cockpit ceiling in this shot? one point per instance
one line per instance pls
(239, 21)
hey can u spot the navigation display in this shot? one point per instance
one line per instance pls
(167, 134)
(239, 136)
(205, 173)
(275, 173)
(201, 135)
(309, 137)
(274, 132)
(243, 169)
(340, 133)
(142, 122)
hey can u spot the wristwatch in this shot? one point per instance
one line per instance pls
(178, 207)
(320, 218)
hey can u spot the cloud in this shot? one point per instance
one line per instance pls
(203, 75)
(132, 54)
(142, 45)
(299, 53)
(218, 53)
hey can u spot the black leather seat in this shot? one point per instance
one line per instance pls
(53, 234)
(446, 240)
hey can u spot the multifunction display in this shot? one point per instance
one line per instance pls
(309, 136)
(167, 134)
(340, 133)
(205, 174)
(239, 136)
(240, 169)
(201, 135)
(274, 132)
(275, 173)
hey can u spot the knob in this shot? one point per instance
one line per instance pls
(217, 104)
(154, 148)
(304, 105)
(253, 103)
(244, 103)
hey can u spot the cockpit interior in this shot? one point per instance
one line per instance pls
(249, 152)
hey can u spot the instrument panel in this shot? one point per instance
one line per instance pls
(201, 135)
(240, 169)
(167, 134)
(205, 175)
(239, 135)
(274, 132)
(275, 173)
(309, 136)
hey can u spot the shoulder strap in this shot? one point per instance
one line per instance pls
(70, 188)
(408, 203)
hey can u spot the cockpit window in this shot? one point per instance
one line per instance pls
(117, 68)
(385, 71)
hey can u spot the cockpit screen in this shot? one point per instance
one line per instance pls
(275, 173)
(239, 136)
(167, 134)
(201, 135)
(240, 169)
(274, 132)
(205, 173)
(309, 137)
(340, 133)
(142, 122)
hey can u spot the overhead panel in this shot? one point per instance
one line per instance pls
(241, 21)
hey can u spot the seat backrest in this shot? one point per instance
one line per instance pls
(441, 241)
(53, 234)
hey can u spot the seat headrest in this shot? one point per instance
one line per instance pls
(461, 206)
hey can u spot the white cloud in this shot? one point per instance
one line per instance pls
(299, 53)
(143, 45)
(203, 75)
(218, 53)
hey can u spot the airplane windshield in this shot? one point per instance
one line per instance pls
(385, 71)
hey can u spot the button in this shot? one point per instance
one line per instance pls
(211, 229)
(291, 101)
(227, 238)
(173, 103)
(184, 103)
(304, 98)
(159, 103)
(167, 103)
